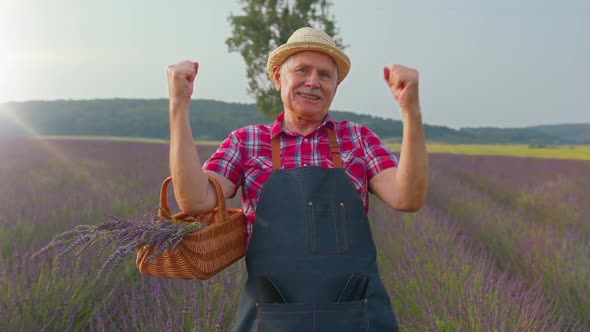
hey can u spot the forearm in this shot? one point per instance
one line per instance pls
(191, 185)
(412, 171)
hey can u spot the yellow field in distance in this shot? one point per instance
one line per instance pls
(580, 152)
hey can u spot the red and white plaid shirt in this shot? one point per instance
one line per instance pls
(245, 157)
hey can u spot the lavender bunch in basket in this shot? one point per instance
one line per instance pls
(126, 234)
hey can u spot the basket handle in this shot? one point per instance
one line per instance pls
(164, 210)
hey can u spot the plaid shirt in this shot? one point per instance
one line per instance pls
(245, 157)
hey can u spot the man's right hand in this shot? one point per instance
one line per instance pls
(181, 78)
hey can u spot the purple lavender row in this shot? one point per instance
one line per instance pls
(438, 280)
(537, 247)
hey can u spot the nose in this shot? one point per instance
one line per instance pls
(313, 80)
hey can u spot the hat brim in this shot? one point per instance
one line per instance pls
(278, 56)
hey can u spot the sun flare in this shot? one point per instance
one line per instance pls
(6, 114)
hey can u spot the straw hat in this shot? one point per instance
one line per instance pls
(309, 39)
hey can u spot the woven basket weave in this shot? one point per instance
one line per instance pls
(203, 253)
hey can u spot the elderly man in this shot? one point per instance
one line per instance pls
(305, 181)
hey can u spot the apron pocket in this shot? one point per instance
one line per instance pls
(327, 227)
(324, 317)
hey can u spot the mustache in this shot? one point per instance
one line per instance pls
(314, 92)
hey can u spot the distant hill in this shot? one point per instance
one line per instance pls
(577, 133)
(213, 120)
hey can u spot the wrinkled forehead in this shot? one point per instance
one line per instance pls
(312, 58)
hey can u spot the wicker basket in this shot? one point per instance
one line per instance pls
(201, 254)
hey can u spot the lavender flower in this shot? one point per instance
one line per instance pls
(127, 235)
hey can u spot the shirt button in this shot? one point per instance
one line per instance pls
(305, 140)
(304, 164)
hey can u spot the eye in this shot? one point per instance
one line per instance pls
(302, 70)
(325, 74)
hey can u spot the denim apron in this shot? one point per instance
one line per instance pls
(312, 243)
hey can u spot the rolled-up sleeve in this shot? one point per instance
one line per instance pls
(378, 156)
(227, 160)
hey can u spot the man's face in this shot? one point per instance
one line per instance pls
(307, 83)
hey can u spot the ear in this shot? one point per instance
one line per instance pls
(276, 77)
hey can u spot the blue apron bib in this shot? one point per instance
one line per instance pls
(311, 259)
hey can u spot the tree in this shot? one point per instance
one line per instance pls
(265, 25)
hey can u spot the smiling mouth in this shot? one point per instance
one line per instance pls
(308, 96)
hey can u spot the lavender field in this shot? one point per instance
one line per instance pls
(503, 244)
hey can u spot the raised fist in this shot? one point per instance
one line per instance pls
(181, 78)
(403, 83)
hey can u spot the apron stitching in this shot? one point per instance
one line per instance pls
(308, 311)
(357, 196)
(366, 318)
(314, 317)
(345, 230)
(333, 216)
(311, 227)
(259, 317)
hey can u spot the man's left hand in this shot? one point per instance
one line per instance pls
(403, 83)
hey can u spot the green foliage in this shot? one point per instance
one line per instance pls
(214, 120)
(576, 133)
(266, 24)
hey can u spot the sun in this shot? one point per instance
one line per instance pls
(8, 68)
(17, 27)
(7, 57)
(21, 60)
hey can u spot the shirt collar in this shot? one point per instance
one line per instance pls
(277, 128)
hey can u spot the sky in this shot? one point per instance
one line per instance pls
(500, 63)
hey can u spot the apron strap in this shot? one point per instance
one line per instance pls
(276, 152)
(332, 142)
(334, 148)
